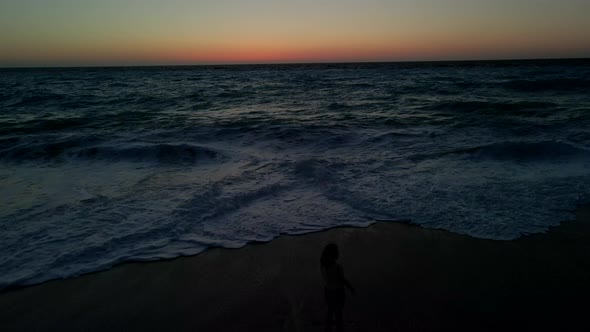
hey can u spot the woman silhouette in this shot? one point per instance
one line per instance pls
(335, 284)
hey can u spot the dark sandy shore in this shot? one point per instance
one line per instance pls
(407, 279)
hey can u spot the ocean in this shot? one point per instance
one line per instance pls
(100, 166)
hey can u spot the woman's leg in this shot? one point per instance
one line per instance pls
(338, 314)
(330, 309)
(338, 308)
(329, 315)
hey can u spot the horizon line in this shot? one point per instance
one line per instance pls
(285, 63)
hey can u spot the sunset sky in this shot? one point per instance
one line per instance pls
(144, 32)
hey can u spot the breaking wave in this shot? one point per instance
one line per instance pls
(528, 151)
(150, 153)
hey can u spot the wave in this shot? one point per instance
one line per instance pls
(160, 153)
(38, 98)
(315, 170)
(555, 84)
(216, 201)
(155, 153)
(233, 94)
(526, 151)
(396, 135)
(42, 151)
(580, 137)
(339, 106)
(489, 106)
(36, 126)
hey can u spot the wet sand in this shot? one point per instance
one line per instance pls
(407, 278)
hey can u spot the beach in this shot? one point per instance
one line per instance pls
(406, 277)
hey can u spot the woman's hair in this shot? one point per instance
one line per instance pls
(329, 255)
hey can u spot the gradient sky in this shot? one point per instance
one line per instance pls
(141, 32)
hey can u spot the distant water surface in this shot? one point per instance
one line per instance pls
(104, 165)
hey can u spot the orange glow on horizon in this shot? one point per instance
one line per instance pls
(281, 53)
(351, 53)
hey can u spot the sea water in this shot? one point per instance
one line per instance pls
(104, 165)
